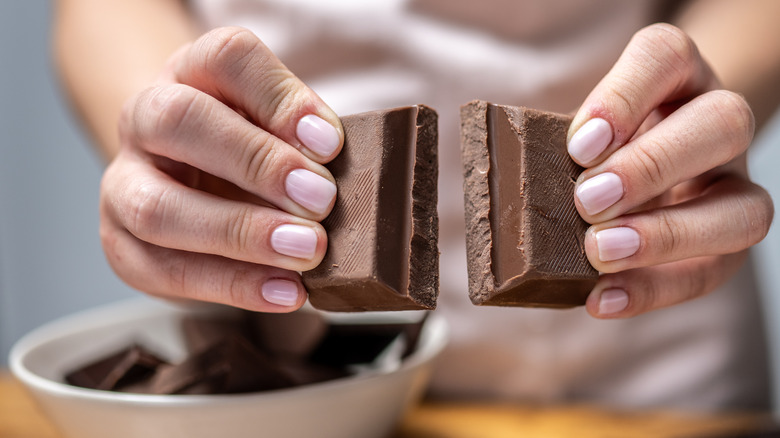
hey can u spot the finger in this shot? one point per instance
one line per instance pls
(157, 209)
(179, 274)
(631, 293)
(189, 126)
(707, 132)
(733, 214)
(233, 65)
(660, 65)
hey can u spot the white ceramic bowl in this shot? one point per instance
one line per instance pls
(363, 406)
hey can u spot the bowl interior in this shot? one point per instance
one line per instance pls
(44, 356)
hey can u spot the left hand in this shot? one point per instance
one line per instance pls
(666, 186)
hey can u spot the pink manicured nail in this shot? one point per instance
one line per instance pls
(294, 241)
(317, 135)
(612, 301)
(590, 140)
(617, 243)
(310, 190)
(600, 192)
(281, 292)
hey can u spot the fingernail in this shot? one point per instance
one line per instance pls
(281, 292)
(310, 190)
(294, 241)
(616, 243)
(600, 192)
(590, 140)
(612, 301)
(317, 135)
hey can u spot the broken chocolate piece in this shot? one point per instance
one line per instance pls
(524, 235)
(116, 371)
(231, 366)
(249, 352)
(383, 230)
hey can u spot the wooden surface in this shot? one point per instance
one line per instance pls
(20, 418)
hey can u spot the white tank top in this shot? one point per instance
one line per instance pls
(361, 55)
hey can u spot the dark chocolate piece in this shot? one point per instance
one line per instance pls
(523, 233)
(383, 230)
(247, 352)
(118, 370)
(231, 366)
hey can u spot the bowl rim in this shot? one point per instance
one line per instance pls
(134, 308)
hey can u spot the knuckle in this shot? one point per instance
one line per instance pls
(146, 210)
(625, 97)
(126, 122)
(261, 158)
(227, 50)
(177, 271)
(670, 233)
(758, 213)
(734, 117)
(667, 50)
(238, 285)
(282, 94)
(240, 231)
(650, 161)
(668, 43)
(164, 112)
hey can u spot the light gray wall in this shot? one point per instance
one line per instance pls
(51, 262)
(50, 257)
(765, 169)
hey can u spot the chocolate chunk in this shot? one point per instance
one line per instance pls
(231, 366)
(124, 368)
(248, 352)
(523, 233)
(383, 230)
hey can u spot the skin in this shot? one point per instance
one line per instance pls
(207, 134)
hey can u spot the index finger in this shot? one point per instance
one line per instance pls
(660, 66)
(233, 65)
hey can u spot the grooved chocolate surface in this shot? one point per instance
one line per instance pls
(523, 233)
(383, 230)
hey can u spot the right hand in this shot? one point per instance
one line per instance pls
(218, 187)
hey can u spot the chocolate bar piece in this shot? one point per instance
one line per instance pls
(230, 366)
(121, 369)
(523, 233)
(383, 230)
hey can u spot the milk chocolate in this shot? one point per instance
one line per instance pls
(523, 233)
(383, 230)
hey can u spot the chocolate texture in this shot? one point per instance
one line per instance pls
(248, 352)
(524, 235)
(383, 230)
(117, 371)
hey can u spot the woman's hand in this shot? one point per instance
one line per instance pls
(218, 187)
(666, 185)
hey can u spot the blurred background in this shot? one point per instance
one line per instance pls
(51, 262)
